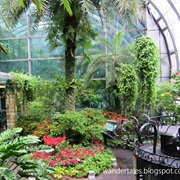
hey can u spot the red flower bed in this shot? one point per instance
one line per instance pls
(68, 155)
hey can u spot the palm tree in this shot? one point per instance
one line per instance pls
(115, 56)
(71, 29)
(38, 5)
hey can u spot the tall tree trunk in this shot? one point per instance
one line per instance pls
(70, 75)
(70, 61)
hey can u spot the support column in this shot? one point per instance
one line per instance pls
(11, 109)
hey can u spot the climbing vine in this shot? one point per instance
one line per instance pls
(23, 87)
(128, 87)
(24, 84)
(147, 65)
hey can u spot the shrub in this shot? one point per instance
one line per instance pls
(27, 124)
(168, 94)
(82, 126)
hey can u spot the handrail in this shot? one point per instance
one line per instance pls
(155, 135)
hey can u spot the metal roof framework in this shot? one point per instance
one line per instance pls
(167, 18)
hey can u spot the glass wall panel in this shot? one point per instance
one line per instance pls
(40, 49)
(47, 68)
(18, 49)
(14, 66)
(4, 33)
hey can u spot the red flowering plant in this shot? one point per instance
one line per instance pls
(42, 128)
(53, 141)
(113, 116)
(46, 128)
(69, 155)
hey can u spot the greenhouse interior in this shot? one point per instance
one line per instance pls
(89, 89)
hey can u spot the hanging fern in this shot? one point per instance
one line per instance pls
(147, 65)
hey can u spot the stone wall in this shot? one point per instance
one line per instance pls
(11, 109)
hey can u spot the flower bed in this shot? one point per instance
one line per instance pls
(76, 160)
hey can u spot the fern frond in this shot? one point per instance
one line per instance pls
(7, 174)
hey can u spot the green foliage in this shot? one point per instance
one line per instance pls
(37, 110)
(24, 84)
(98, 163)
(27, 123)
(168, 94)
(15, 151)
(147, 64)
(128, 88)
(117, 54)
(83, 126)
(39, 97)
(86, 94)
(51, 94)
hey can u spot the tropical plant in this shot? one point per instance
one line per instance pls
(76, 28)
(128, 88)
(39, 7)
(147, 67)
(117, 54)
(90, 94)
(46, 128)
(37, 98)
(15, 151)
